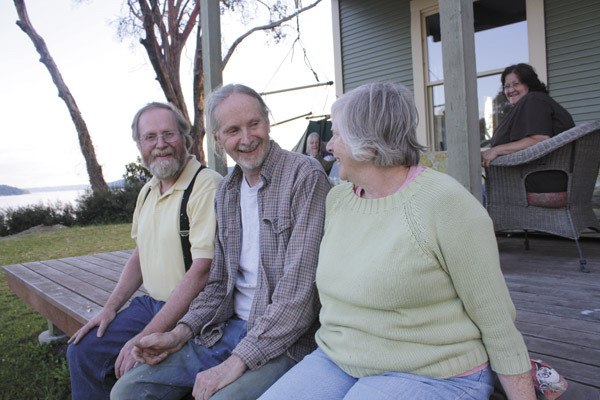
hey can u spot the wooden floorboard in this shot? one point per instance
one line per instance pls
(558, 307)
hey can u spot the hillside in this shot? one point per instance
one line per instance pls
(6, 190)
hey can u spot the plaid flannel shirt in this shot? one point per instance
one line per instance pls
(284, 313)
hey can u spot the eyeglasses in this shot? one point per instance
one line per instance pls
(512, 85)
(152, 138)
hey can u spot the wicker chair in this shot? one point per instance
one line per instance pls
(577, 153)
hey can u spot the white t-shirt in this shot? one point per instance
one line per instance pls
(245, 283)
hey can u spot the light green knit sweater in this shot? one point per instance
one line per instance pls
(412, 283)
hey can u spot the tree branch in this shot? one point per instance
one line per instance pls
(262, 28)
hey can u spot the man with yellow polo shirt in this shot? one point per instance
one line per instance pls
(100, 352)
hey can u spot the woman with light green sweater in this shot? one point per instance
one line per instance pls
(414, 305)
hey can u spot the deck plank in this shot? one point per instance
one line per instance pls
(555, 305)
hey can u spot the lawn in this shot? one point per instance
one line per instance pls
(28, 370)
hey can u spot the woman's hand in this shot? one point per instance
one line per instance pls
(487, 156)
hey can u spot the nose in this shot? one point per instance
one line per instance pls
(329, 146)
(245, 135)
(160, 141)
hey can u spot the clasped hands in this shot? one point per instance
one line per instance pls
(154, 348)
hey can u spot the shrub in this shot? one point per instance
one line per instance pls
(106, 206)
(116, 204)
(17, 220)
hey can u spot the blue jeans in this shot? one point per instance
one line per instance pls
(92, 360)
(317, 377)
(174, 377)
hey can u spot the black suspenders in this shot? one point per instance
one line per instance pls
(184, 221)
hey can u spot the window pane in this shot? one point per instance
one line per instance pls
(501, 46)
(434, 48)
(439, 115)
(487, 90)
(499, 37)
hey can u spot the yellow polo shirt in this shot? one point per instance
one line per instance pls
(155, 228)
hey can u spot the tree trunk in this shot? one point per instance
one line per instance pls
(85, 141)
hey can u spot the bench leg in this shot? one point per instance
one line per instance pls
(52, 335)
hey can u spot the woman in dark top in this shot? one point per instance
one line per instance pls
(535, 116)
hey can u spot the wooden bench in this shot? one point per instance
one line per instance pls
(67, 291)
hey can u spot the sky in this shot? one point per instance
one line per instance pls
(111, 79)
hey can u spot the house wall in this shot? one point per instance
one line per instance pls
(573, 51)
(375, 42)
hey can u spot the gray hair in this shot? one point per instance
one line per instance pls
(221, 94)
(378, 123)
(183, 126)
(312, 135)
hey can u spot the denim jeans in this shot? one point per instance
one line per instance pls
(174, 377)
(317, 377)
(92, 360)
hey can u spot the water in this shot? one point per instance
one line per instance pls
(46, 198)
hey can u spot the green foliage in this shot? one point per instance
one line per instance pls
(106, 206)
(17, 220)
(113, 205)
(136, 175)
(28, 370)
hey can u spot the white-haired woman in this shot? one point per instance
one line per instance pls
(313, 149)
(414, 305)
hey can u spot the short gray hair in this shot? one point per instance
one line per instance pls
(221, 94)
(183, 126)
(378, 122)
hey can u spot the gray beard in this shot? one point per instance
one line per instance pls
(166, 169)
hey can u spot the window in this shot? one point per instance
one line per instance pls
(502, 37)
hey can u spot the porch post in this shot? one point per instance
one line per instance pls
(460, 86)
(210, 23)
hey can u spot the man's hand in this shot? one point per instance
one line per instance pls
(102, 320)
(125, 360)
(154, 348)
(210, 381)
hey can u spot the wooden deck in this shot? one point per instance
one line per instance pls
(558, 307)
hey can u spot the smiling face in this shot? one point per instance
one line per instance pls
(165, 160)
(313, 146)
(514, 89)
(243, 133)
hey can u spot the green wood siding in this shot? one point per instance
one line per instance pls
(573, 54)
(375, 42)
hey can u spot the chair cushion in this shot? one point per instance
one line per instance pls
(547, 200)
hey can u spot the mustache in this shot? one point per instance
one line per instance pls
(249, 147)
(162, 153)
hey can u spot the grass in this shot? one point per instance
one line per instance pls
(28, 370)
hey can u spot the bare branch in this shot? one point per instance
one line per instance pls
(262, 28)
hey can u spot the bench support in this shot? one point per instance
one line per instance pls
(52, 336)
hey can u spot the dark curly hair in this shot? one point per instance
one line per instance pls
(526, 75)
